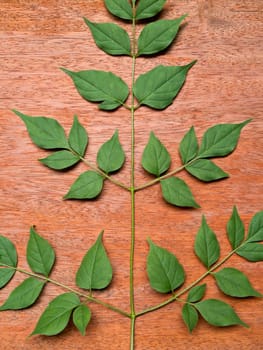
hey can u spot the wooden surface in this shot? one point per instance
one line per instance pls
(39, 36)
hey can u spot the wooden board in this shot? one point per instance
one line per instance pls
(225, 86)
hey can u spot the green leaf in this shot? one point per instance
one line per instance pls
(81, 318)
(188, 146)
(119, 8)
(235, 229)
(111, 156)
(95, 271)
(56, 316)
(6, 275)
(255, 230)
(206, 170)
(155, 159)
(220, 140)
(158, 35)
(251, 251)
(100, 86)
(218, 313)
(60, 160)
(164, 270)
(24, 295)
(149, 8)
(8, 255)
(190, 317)
(234, 283)
(158, 87)
(40, 254)
(87, 186)
(78, 137)
(196, 293)
(206, 245)
(110, 38)
(45, 132)
(175, 191)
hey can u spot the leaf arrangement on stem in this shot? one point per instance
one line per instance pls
(155, 89)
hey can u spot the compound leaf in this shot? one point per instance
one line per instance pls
(255, 230)
(218, 313)
(87, 186)
(158, 87)
(24, 295)
(234, 283)
(110, 38)
(196, 293)
(78, 137)
(119, 8)
(60, 160)
(111, 156)
(8, 255)
(235, 229)
(220, 140)
(56, 316)
(188, 146)
(6, 275)
(81, 318)
(206, 245)
(45, 132)
(158, 35)
(149, 8)
(164, 270)
(95, 271)
(190, 317)
(100, 86)
(155, 159)
(251, 251)
(40, 254)
(175, 191)
(206, 170)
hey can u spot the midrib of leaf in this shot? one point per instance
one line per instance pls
(163, 269)
(92, 265)
(42, 260)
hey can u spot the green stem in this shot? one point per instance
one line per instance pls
(86, 296)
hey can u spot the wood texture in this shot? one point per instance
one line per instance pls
(39, 36)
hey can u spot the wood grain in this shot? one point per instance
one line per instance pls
(39, 36)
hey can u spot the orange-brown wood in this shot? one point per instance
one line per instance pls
(37, 37)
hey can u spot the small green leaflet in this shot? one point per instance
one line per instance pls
(234, 283)
(60, 160)
(235, 229)
(196, 293)
(24, 295)
(190, 317)
(110, 38)
(149, 8)
(158, 87)
(218, 313)
(220, 140)
(8, 255)
(119, 8)
(78, 137)
(100, 86)
(87, 186)
(155, 159)
(188, 146)
(111, 156)
(45, 132)
(251, 251)
(6, 275)
(206, 245)
(206, 170)
(95, 271)
(56, 316)
(158, 35)
(175, 191)
(40, 254)
(255, 230)
(81, 318)
(164, 271)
